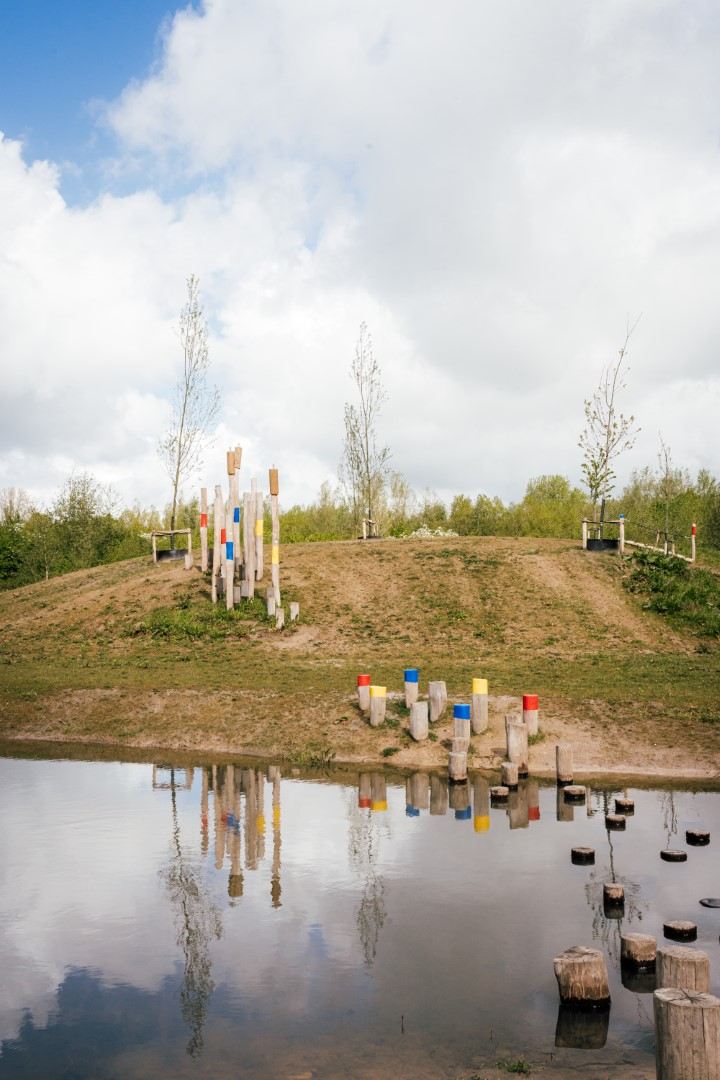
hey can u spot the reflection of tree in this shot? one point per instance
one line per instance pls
(197, 921)
(363, 850)
(667, 802)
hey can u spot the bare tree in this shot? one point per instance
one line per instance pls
(670, 482)
(364, 465)
(608, 432)
(196, 404)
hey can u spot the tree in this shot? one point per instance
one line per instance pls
(196, 403)
(608, 432)
(364, 465)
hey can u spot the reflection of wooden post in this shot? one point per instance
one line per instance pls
(479, 706)
(364, 791)
(219, 824)
(203, 530)
(378, 788)
(259, 521)
(217, 554)
(517, 811)
(275, 549)
(481, 804)
(229, 563)
(204, 812)
(687, 1034)
(420, 788)
(438, 795)
(565, 811)
(275, 886)
(533, 800)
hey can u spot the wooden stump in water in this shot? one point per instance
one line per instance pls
(680, 930)
(582, 976)
(583, 856)
(564, 763)
(686, 969)
(574, 793)
(673, 855)
(437, 697)
(479, 706)
(516, 733)
(613, 900)
(614, 821)
(697, 837)
(582, 1028)
(457, 767)
(509, 774)
(687, 1034)
(419, 720)
(638, 949)
(624, 806)
(499, 794)
(378, 700)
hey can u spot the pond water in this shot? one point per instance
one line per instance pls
(232, 921)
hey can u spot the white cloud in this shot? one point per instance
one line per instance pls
(494, 188)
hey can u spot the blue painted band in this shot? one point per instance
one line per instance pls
(236, 514)
(411, 674)
(461, 712)
(411, 811)
(463, 815)
(229, 548)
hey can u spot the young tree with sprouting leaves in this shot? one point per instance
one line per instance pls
(364, 465)
(608, 432)
(196, 402)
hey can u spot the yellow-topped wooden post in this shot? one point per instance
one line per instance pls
(378, 700)
(479, 706)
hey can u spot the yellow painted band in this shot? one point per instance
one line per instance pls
(481, 824)
(276, 815)
(261, 822)
(381, 804)
(479, 686)
(378, 691)
(275, 554)
(258, 526)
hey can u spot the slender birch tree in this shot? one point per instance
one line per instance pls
(364, 465)
(196, 403)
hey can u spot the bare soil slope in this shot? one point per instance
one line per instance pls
(132, 654)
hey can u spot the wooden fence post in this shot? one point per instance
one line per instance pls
(621, 538)
(249, 518)
(685, 968)
(238, 548)
(582, 976)
(203, 530)
(275, 549)
(479, 706)
(584, 533)
(419, 720)
(564, 763)
(363, 692)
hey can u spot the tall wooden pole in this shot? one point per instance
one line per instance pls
(217, 527)
(693, 533)
(203, 530)
(249, 511)
(259, 522)
(229, 562)
(275, 550)
(237, 453)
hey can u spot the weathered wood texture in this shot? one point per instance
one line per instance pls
(437, 696)
(479, 712)
(564, 763)
(294, 611)
(638, 949)
(280, 619)
(229, 563)
(679, 966)
(574, 793)
(419, 715)
(259, 532)
(438, 795)
(217, 555)
(412, 691)
(378, 702)
(680, 930)
(516, 733)
(203, 530)
(687, 1034)
(509, 774)
(582, 976)
(457, 766)
(582, 856)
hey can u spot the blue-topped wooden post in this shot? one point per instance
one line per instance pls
(412, 686)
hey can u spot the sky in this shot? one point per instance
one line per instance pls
(496, 187)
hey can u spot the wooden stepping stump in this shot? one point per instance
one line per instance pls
(457, 767)
(687, 1034)
(673, 855)
(638, 950)
(509, 775)
(688, 969)
(437, 697)
(680, 930)
(564, 764)
(419, 720)
(613, 900)
(499, 793)
(574, 793)
(583, 856)
(711, 901)
(582, 977)
(614, 821)
(697, 837)
(625, 806)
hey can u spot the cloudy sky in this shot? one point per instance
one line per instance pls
(494, 186)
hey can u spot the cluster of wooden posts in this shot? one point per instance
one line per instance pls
(667, 547)
(687, 1016)
(237, 557)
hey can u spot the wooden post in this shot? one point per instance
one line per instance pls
(479, 706)
(412, 686)
(294, 610)
(154, 547)
(280, 618)
(249, 519)
(437, 696)
(460, 801)
(583, 856)
(613, 895)
(217, 554)
(574, 793)
(509, 775)
(363, 693)
(499, 794)
(275, 549)
(481, 804)
(188, 560)
(621, 534)
(461, 723)
(584, 533)
(270, 603)
(419, 720)
(564, 763)
(582, 976)
(684, 968)
(687, 1034)
(693, 533)
(378, 700)
(533, 800)
(531, 713)
(697, 837)
(229, 563)
(516, 733)
(259, 523)
(203, 530)
(680, 930)
(457, 767)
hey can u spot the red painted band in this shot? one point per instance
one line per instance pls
(364, 804)
(530, 701)
(363, 680)
(203, 521)
(694, 530)
(223, 537)
(534, 813)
